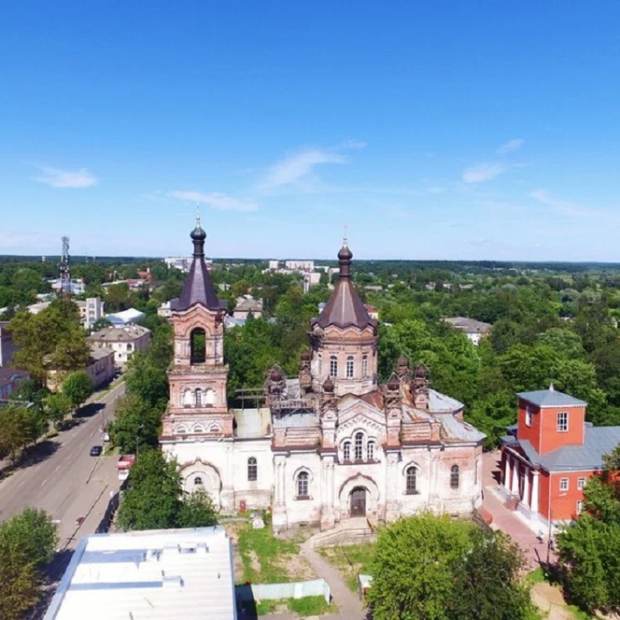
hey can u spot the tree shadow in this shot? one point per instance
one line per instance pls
(31, 456)
(89, 410)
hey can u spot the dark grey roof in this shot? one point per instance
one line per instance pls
(198, 289)
(550, 398)
(345, 308)
(599, 440)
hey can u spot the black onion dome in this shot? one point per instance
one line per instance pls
(198, 234)
(345, 253)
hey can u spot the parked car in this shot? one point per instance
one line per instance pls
(96, 451)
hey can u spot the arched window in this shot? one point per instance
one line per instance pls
(365, 366)
(302, 484)
(197, 481)
(198, 428)
(359, 446)
(198, 397)
(333, 366)
(411, 480)
(346, 450)
(198, 346)
(370, 450)
(350, 367)
(188, 399)
(455, 476)
(209, 397)
(252, 469)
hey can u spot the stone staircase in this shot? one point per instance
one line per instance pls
(347, 531)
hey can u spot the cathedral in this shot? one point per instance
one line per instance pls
(329, 444)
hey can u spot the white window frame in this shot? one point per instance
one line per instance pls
(346, 451)
(561, 427)
(333, 366)
(370, 450)
(528, 416)
(564, 485)
(580, 506)
(358, 446)
(350, 368)
(581, 483)
(365, 366)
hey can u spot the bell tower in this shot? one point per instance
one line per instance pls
(198, 375)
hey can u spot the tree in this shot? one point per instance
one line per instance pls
(197, 511)
(412, 567)
(487, 585)
(590, 547)
(77, 387)
(27, 543)
(18, 428)
(152, 499)
(136, 425)
(57, 406)
(438, 568)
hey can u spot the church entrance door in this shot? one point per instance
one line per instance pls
(358, 502)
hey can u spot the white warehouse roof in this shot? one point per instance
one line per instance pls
(180, 573)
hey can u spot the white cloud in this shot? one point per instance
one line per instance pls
(482, 172)
(214, 200)
(511, 146)
(299, 165)
(563, 206)
(55, 177)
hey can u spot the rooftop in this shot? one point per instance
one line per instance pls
(154, 574)
(131, 315)
(465, 324)
(126, 333)
(551, 398)
(599, 440)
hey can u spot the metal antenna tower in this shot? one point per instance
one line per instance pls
(63, 269)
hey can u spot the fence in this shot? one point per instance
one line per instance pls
(275, 591)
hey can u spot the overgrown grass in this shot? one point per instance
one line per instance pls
(309, 605)
(264, 556)
(305, 606)
(350, 560)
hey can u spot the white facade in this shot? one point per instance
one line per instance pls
(91, 310)
(123, 341)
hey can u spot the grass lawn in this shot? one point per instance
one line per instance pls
(350, 560)
(267, 559)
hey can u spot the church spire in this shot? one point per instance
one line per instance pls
(198, 287)
(345, 308)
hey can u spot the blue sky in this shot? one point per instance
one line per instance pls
(437, 130)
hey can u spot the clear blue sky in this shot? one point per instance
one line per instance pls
(453, 130)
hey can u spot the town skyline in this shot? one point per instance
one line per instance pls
(473, 134)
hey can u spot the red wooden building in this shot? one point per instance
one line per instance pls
(550, 454)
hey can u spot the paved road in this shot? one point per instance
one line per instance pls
(65, 480)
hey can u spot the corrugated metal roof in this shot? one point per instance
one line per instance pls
(550, 398)
(599, 440)
(154, 574)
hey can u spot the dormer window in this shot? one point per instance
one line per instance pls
(562, 422)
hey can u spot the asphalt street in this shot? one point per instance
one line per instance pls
(63, 479)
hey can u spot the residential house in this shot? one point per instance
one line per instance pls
(246, 305)
(473, 329)
(123, 341)
(10, 378)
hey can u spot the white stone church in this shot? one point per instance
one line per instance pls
(329, 444)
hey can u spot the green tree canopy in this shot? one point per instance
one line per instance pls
(77, 387)
(27, 543)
